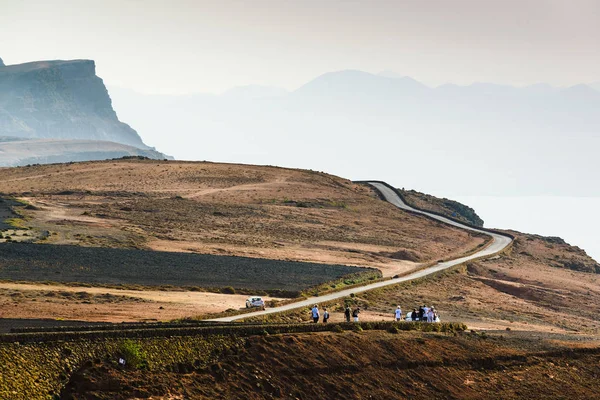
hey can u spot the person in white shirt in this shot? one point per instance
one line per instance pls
(398, 314)
(430, 315)
(315, 314)
(436, 316)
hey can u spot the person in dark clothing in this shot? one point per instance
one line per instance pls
(355, 314)
(325, 315)
(347, 313)
(415, 315)
(421, 314)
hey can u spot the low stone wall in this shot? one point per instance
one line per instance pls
(39, 370)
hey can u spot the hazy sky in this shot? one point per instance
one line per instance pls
(183, 46)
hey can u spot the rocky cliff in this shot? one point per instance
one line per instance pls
(59, 100)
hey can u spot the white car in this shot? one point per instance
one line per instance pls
(255, 302)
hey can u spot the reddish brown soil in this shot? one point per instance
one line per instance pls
(362, 366)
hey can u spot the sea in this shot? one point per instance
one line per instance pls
(575, 219)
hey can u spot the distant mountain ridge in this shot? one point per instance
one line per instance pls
(18, 152)
(509, 140)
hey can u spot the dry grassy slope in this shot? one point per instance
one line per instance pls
(228, 209)
(368, 365)
(526, 289)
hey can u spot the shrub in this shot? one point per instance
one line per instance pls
(133, 354)
(338, 329)
(228, 290)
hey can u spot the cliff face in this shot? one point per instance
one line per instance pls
(62, 100)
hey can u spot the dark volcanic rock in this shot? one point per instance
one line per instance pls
(59, 100)
(449, 208)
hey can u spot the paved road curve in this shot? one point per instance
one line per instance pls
(498, 244)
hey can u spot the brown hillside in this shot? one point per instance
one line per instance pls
(367, 365)
(227, 209)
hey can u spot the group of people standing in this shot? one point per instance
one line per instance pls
(316, 315)
(424, 314)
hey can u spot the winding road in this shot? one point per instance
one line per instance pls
(499, 243)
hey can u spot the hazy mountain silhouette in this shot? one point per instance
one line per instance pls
(478, 139)
(254, 92)
(61, 100)
(16, 151)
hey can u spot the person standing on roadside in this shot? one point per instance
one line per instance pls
(355, 314)
(315, 314)
(415, 315)
(430, 316)
(325, 315)
(347, 313)
(421, 314)
(436, 316)
(398, 314)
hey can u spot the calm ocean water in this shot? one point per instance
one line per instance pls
(575, 219)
